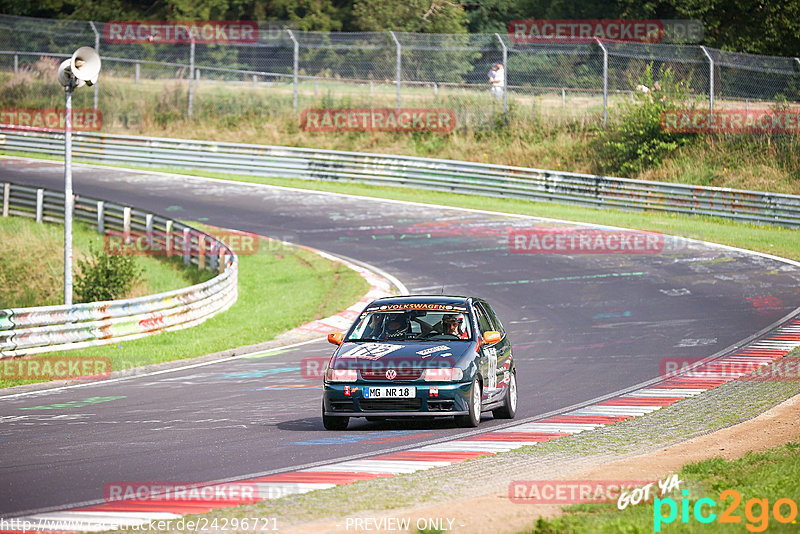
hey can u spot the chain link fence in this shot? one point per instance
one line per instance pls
(285, 71)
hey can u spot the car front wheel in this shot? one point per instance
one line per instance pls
(331, 422)
(472, 419)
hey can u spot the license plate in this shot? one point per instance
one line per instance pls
(392, 392)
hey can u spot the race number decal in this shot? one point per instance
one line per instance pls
(491, 356)
(371, 351)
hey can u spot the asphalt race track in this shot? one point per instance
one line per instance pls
(582, 325)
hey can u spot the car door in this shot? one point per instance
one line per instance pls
(505, 363)
(490, 355)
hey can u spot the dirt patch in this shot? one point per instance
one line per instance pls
(494, 512)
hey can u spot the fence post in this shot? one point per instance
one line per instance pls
(710, 78)
(505, 74)
(137, 71)
(6, 195)
(563, 98)
(399, 67)
(605, 81)
(16, 63)
(295, 65)
(97, 49)
(39, 205)
(101, 220)
(191, 76)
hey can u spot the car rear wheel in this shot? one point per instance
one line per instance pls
(472, 419)
(509, 409)
(332, 422)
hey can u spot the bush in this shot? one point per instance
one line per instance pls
(634, 140)
(105, 276)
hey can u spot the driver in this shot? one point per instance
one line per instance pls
(452, 325)
(396, 326)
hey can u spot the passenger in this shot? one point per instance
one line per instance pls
(452, 326)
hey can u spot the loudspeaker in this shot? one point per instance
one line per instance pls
(83, 67)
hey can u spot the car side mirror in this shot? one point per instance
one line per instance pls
(335, 338)
(491, 336)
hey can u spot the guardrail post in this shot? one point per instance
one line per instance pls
(191, 77)
(168, 237)
(505, 74)
(398, 67)
(101, 219)
(201, 251)
(710, 78)
(137, 71)
(187, 247)
(126, 223)
(605, 80)
(6, 195)
(148, 230)
(39, 204)
(295, 68)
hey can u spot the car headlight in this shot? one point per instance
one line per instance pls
(341, 375)
(443, 374)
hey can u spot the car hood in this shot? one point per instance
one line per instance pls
(389, 354)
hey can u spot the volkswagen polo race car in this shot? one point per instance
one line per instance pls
(421, 356)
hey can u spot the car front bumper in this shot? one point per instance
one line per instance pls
(430, 400)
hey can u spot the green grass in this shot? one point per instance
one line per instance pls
(539, 132)
(771, 475)
(280, 287)
(32, 264)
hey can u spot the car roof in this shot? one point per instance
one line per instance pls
(424, 299)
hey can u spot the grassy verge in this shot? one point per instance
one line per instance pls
(760, 480)
(280, 287)
(32, 264)
(538, 132)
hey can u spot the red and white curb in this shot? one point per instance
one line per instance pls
(637, 403)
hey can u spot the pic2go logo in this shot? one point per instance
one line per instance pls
(756, 511)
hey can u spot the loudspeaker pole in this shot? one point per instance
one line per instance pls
(81, 69)
(68, 200)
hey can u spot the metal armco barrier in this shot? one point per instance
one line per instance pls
(50, 328)
(423, 173)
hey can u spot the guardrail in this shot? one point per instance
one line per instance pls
(424, 173)
(50, 328)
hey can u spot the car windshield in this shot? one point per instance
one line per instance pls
(395, 325)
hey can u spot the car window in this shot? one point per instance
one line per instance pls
(425, 325)
(484, 324)
(493, 317)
